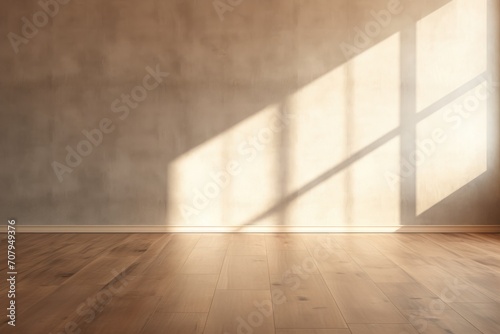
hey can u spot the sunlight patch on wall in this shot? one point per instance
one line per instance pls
(318, 135)
(344, 111)
(231, 177)
(451, 147)
(451, 49)
(339, 115)
(373, 203)
(256, 144)
(187, 178)
(373, 90)
(357, 195)
(323, 205)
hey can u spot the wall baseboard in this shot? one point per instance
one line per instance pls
(253, 229)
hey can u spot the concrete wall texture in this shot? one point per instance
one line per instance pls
(239, 112)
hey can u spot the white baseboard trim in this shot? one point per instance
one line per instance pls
(253, 229)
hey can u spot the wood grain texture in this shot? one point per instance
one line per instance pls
(360, 300)
(188, 293)
(307, 304)
(241, 311)
(410, 298)
(383, 329)
(296, 261)
(313, 331)
(201, 261)
(284, 242)
(175, 323)
(484, 316)
(247, 244)
(111, 319)
(283, 284)
(244, 272)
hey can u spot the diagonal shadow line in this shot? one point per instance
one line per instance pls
(326, 175)
(454, 193)
(450, 97)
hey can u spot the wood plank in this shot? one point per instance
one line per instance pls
(313, 331)
(102, 270)
(316, 241)
(396, 250)
(469, 247)
(241, 311)
(175, 323)
(444, 322)
(424, 247)
(119, 315)
(244, 272)
(247, 244)
(354, 242)
(143, 285)
(54, 272)
(487, 284)
(411, 298)
(424, 310)
(214, 241)
(360, 300)
(307, 304)
(188, 293)
(445, 285)
(145, 261)
(135, 244)
(295, 261)
(382, 329)
(483, 242)
(54, 311)
(482, 278)
(65, 262)
(26, 297)
(330, 260)
(201, 261)
(170, 259)
(390, 274)
(284, 242)
(484, 316)
(379, 267)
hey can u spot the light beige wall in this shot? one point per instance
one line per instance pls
(307, 112)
